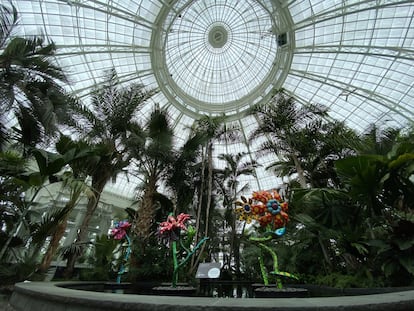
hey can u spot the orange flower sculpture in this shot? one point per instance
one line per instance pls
(270, 210)
(267, 208)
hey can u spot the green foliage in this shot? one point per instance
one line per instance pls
(394, 250)
(102, 260)
(155, 264)
(340, 280)
(249, 262)
(31, 86)
(19, 271)
(362, 234)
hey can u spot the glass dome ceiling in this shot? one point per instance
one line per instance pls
(213, 57)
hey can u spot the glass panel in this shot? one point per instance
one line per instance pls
(356, 57)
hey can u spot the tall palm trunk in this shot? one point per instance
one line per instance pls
(234, 242)
(59, 232)
(145, 214)
(209, 191)
(82, 237)
(143, 220)
(300, 171)
(53, 245)
(194, 259)
(208, 204)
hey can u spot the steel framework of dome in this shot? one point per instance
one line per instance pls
(213, 57)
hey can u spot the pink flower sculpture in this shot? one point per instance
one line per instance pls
(169, 234)
(119, 231)
(174, 224)
(170, 230)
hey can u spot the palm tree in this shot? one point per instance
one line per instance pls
(377, 140)
(152, 150)
(364, 227)
(33, 98)
(211, 129)
(323, 143)
(106, 126)
(285, 127)
(31, 86)
(75, 153)
(183, 177)
(28, 183)
(230, 188)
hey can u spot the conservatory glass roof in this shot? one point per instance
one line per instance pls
(214, 57)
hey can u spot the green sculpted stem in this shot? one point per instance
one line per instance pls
(178, 265)
(175, 263)
(275, 263)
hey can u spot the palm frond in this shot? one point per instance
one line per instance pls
(74, 248)
(29, 132)
(8, 21)
(48, 224)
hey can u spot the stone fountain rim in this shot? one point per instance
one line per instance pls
(43, 296)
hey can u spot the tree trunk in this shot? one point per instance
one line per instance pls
(209, 191)
(145, 214)
(234, 237)
(82, 237)
(236, 251)
(59, 231)
(198, 219)
(143, 221)
(53, 245)
(299, 170)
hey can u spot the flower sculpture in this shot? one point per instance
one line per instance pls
(170, 233)
(270, 211)
(170, 230)
(119, 232)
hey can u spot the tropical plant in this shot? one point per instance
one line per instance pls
(283, 124)
(75, 188)
(33, 103)
(364, 228)
(152, 151)
(12, 165)
(105, 126)
(284, 129)
(382, 187)
(183, 177)
(327, 225)
(211, 129)
(31, 85)
(29, 182)
(73, 182)
(229, 188)
(102, 260)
